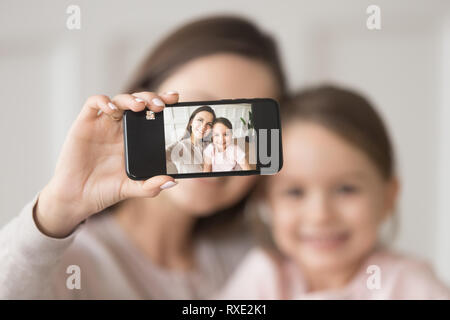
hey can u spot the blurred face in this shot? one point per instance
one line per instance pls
(328, 200)
(201, 124)
(214, 77)
(221, 136)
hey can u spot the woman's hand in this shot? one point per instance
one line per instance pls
(90, 172)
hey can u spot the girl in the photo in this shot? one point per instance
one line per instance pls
(186, 155)
(222, 154)
(320, 217)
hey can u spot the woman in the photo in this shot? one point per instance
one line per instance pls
(186, 155)
(181, 243)
(222, 154)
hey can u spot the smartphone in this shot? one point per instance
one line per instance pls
(204, 139)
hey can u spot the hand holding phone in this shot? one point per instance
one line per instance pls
(204, 139)
(89, 174)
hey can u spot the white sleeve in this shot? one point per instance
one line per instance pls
(28, 257)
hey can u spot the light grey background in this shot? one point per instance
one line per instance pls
(47, 71)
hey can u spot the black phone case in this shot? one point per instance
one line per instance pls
(141, 129)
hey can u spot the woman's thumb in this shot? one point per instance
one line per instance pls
(148, 188)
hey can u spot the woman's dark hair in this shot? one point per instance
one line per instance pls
(198, 110)
(217, 34)
(223, 121)
(349, 115)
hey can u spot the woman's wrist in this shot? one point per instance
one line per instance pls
(52, 217)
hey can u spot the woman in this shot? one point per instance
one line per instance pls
(151, 244)
(186, 155)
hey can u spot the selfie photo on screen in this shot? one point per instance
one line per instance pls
(205, 138)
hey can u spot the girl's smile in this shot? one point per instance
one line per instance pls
(323, 240)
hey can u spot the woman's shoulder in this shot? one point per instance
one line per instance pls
(405, 276)
(182, 142)
(185, 142)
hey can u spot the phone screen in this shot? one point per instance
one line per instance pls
(204, 139)
(209, 138)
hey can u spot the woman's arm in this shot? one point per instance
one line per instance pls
(88, 178)
(90, 175)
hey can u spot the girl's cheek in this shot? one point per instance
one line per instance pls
(361, 211)
(284, 226)
(281, 216)
(360, 217)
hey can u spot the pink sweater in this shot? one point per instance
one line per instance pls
(34, 266)
(258, 277)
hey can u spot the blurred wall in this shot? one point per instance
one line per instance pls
(47, 71)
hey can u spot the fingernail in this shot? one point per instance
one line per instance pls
(112, 106)
(99, 112)
(158, 102)
(168, 184)
(139, 100)
(171, 92)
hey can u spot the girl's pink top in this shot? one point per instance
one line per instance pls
(227, 160)
(400, 277)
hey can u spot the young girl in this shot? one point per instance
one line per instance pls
(325, 209)
(222, 154)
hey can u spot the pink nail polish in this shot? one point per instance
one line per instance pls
(168, 184)
(158, 102)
